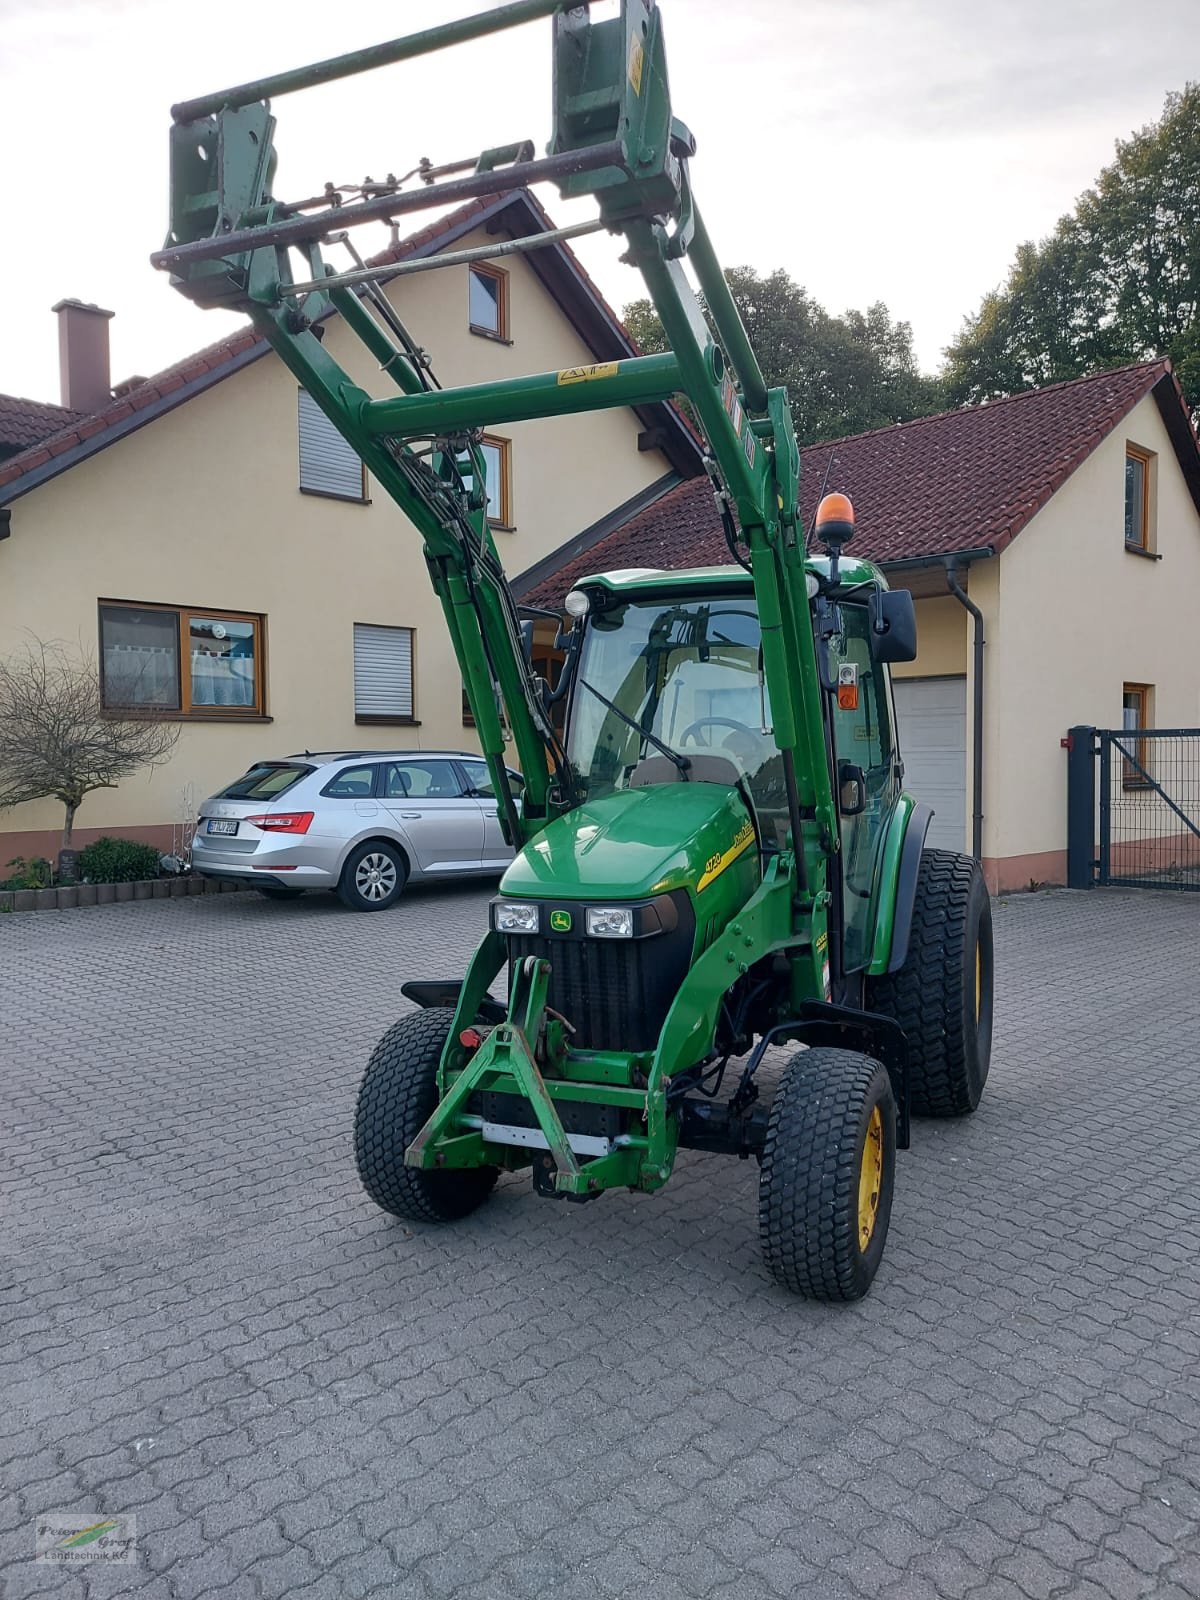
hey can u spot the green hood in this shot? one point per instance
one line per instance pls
(635, 843)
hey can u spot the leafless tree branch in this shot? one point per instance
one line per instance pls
(57, 739)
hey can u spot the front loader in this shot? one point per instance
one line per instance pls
(717, 856)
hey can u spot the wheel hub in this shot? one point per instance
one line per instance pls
(870, 1179)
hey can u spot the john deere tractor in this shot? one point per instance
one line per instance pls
(717, 857)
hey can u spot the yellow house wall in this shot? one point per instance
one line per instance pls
(941, 639)
(1074, 617)
(201, 508)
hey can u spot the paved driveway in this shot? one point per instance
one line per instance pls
(204, 1323)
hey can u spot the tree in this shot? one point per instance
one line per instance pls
(58, 740)
(843, 374)
(1118, 280)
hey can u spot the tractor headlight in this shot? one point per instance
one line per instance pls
(515, 916)
(578, 603)
(610, 922)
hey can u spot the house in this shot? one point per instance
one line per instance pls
(1052, 545)
(208, 538)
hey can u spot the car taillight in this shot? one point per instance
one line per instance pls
(283, 821)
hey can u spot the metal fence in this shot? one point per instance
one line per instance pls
(1134, 807)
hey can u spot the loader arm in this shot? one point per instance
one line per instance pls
(233, 243)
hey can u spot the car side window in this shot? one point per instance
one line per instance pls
(480, 779)
(351, 783)
(421, 780)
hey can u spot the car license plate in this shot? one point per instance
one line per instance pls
(222, 825)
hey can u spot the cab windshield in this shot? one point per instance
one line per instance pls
(686, 673)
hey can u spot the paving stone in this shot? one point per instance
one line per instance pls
(204, 1321)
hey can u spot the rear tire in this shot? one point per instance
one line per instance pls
(278, 891)
(373, 877)
(828, 1168)
(397, 1098)
(942, 995)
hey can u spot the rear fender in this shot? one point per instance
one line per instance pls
(896, 891)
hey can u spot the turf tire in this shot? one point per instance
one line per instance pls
(397, 1098)
(808, 1191)
(933, 995)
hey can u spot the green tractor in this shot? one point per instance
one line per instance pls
(715, 855)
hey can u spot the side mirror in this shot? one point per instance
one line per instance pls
(893, 620)
(527, 639)
(852, 789)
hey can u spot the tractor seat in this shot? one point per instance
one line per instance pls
(705, 768)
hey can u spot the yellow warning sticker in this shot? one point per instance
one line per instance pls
(637, 57)
(601, 369)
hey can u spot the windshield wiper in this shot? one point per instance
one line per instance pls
(681, 762)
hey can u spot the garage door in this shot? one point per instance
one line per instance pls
(932, 714)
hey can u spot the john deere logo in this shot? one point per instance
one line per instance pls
(560, 921)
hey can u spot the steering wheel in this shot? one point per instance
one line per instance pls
(718, 722)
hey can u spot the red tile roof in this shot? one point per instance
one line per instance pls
(28, 422)
(73, 429)
(963, 480)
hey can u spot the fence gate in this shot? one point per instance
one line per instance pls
(1133, 807)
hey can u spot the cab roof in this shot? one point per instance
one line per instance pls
(630, 582)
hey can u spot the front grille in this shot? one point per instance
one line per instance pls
(615, 992)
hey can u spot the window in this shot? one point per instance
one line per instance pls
(266, 781)
(351, 783)
(328, 465)
(862, 731)
(488, 302)
(1138, 474)
(1135, 714)
(480, 780)
(497, 461)
(383, 673)
(170, 658)
(421, 780)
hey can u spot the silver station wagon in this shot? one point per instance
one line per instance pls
(360, 822)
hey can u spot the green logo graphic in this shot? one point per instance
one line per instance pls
(560, 921)
(87, 1535)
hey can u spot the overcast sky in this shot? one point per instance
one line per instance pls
(876, 149)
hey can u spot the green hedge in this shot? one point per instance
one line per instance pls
(117, 861)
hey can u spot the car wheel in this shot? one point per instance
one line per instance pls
(373, 877)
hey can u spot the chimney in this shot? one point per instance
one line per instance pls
(83, 370)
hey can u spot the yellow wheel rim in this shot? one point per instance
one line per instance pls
(870, 1179)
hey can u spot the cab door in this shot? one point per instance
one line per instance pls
(864, 744)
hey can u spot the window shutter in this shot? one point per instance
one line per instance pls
(327, 463)
(382, 671)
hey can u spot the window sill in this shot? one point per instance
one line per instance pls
(1140, 550)
(501, 527)
(342, 499)
(488, 333)
(217, 715)
(387, 722)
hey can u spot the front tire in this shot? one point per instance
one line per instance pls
(942, 995)
(397, 1098)
(828, 1169)
(373, 877)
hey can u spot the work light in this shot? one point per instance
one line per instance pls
(577, 603)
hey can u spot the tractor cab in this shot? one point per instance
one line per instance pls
(668, 687)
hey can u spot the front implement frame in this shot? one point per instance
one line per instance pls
(233, 243)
